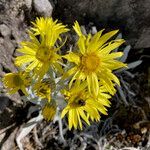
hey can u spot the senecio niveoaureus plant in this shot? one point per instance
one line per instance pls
(82, 86)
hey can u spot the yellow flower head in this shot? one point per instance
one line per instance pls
(49, 111)
(41, 54)
(16, 81)
(81, 106)
(94, 61)
(44, 88)
(48, 27)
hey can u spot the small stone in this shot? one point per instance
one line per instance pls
(28, 3)
(4, 30)
(143, 130)
(94, 30)
(1, 40)
(43, 7)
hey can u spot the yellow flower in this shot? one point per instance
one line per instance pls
(48, 27)
(81, 106)
(93, 61)
(40, 55)
(16, 81)
(44, 88)
(49, 111)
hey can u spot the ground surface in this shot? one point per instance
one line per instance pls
(127, 125)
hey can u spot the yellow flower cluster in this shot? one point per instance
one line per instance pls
(90, 77)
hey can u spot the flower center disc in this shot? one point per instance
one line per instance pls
(17, 80)
(90, 63)
(44, 54)
(78, 103)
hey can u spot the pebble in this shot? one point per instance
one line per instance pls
(43, 7)
(28, 3)
(4, 30)
(94, 30)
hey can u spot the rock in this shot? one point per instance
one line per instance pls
(28, 3)
(132, 17)
(12, 31)
(2, 7)
(6, 58)
(4, 30)
(4, 101)
(9, 143)
(43, 7)
(94, 30)
(143, 40)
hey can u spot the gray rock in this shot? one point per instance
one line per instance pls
(12, 31)
(4, 30)
(4, 101)
(94, 30)
(28, 3)
(144, 39)
(43, 7)
(132, 17)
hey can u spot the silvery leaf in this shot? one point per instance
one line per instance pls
(126, 51)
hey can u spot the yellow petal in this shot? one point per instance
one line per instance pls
(113, 64)
(94, 44)
(64, 112)
(70, 119)
(89, 83)
(77, 28)
(104, 101)
(79, 120)
(75, 121)
(73, 78)
(108, 84)
(13, 91)
(88, 40)
(112, 56)
(82, 114)
(106, 37)
(58, 67)
(97, 35)
(72, 57)
(42, 70)
(32, 65)
(24, 90)
(111, 46)
(113, 77)
(102, 109)
(81, 44)
(95, 84)
(69, 73)
(27, 50)
(20, 60)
